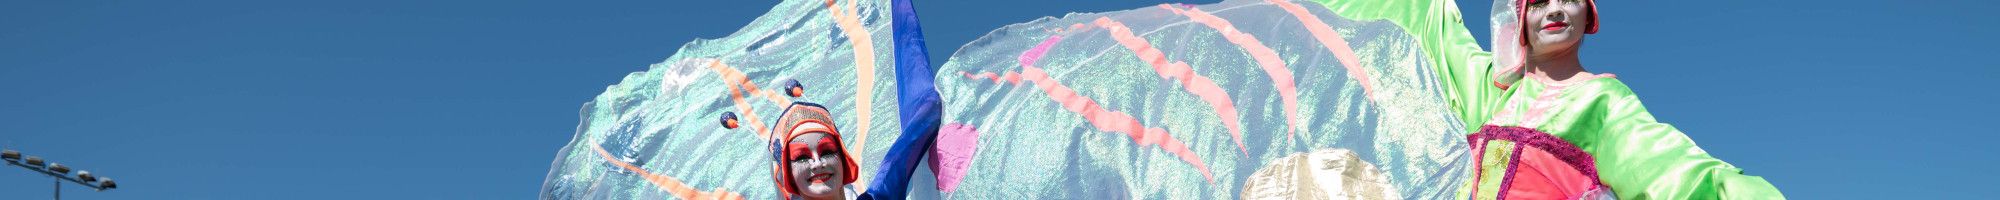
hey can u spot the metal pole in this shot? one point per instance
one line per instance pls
(58, 188)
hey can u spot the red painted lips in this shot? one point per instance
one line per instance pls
(1555, 25)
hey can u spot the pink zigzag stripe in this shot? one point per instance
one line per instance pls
(1201, 86)
(1281, 77)
(1327, 36)
(1099, 117)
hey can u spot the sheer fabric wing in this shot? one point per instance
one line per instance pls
(1244, 98)
(661, 133)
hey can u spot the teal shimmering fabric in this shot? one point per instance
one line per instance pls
(659, 134)
(1190, 102)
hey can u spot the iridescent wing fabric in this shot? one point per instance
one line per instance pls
(693, 126)
(1240, 99)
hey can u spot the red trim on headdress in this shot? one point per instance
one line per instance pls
(783, 169)
(1521, 18)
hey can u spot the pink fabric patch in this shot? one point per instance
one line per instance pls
(952, 154)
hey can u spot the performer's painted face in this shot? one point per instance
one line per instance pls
(1555, 25)
(816, 165)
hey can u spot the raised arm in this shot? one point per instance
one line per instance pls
(1641, 158)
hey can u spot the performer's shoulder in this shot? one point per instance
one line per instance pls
(1608, 85)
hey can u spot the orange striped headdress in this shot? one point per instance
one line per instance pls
(799, 119)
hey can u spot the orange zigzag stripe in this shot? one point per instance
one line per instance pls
(670, 184)
(864, 71)
(738, 85)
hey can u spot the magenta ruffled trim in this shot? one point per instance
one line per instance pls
(1569, 153)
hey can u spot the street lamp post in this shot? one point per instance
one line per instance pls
(57, 170)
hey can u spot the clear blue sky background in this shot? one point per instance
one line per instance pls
(374, 99)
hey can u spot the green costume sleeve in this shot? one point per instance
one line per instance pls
(1641, 158)
(1461, 66)
(1638, 157)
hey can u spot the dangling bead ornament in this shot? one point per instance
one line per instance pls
(793, 88)
(729, 120)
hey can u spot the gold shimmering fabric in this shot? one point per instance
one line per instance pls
(1321, 174)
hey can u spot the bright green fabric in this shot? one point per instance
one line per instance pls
(1637, 156)
(1498, 154)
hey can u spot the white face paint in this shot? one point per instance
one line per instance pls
(1555, 25)
(816, 164)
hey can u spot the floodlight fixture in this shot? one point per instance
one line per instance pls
(36, 161)
(58, 168)
(86, 176)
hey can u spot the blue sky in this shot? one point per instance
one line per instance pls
(371, 99)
